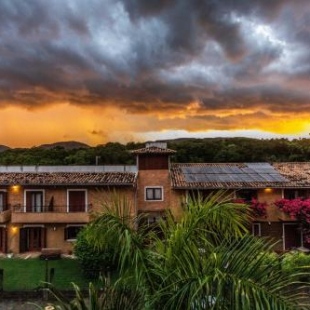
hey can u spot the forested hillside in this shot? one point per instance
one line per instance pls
(188, 150)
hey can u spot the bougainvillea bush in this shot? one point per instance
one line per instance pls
(258, 208)
(298, 209)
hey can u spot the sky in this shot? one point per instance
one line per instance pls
(96, 71)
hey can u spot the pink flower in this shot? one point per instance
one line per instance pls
(259, 208)
(298, 208)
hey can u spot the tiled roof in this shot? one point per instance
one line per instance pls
(240, 175)
(153, 150)
(67, 178)
(297, 173)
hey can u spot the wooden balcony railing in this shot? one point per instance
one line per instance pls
(5, 208)
(46, 214)
(5, 215)
(55, 209)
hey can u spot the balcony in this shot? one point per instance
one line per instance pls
(5, 214)
(46, 214)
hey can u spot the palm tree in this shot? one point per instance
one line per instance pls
(204, 260)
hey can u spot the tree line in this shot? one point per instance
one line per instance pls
(187, 151)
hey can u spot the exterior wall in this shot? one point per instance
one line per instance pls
(13, 238)
(101, 197)
(15, 195)
(177, 199)
(54, 238)
(153, 161)
(270, 195)
(56, 221)
(153, 178)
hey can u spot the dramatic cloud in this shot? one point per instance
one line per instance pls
(175, 60)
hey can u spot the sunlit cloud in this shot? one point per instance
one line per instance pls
(122, 70)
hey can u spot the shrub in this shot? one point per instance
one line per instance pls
(93, 261)
(295, 260)
(298, 209)
(270, 258)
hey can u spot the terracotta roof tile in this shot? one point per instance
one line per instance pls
(67, 178)
(298, 173)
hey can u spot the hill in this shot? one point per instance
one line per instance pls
(4, 148)
(67, 145)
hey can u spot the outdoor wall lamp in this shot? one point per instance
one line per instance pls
(268, 190)
(15, 188)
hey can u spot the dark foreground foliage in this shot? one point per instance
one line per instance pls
(202, 259)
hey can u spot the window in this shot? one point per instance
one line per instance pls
(295, 193)
(3, 201)
(71, 232)
(77, 200)
(34, 200)
(32, 238)
(246, 194)
(256, 229)
(153, 193)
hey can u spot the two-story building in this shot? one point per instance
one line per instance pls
(46, 206)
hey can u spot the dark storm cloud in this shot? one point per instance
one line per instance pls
(266, 97)
(152, 55)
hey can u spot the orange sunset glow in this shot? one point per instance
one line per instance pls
(135, 70)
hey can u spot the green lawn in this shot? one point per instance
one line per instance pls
(28, 274)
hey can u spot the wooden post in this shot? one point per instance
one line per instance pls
(1, 280)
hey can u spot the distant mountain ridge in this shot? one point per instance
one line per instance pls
(68, 145)
(4, 148)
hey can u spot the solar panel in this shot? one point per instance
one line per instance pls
(261, 167)
(221, 173)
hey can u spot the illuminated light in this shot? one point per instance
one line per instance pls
(268, 190)
(14, 230)
(15, 188)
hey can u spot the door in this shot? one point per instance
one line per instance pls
(32, 239)
(34, 201)
(77, 201)
(2, 239)
(292, 236)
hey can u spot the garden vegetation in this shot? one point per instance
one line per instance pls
(203, 259)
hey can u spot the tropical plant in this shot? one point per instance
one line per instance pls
(104, 298)
(93, 261)
(205, 259)
(296, 260)
(258, 208)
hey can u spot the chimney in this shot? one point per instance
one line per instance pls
(161, 145)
